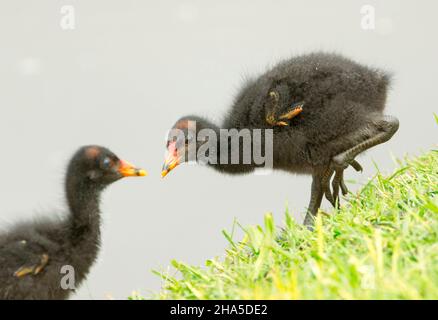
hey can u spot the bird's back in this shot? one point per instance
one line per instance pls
(24, 245)
(319, 77)
(337, 94)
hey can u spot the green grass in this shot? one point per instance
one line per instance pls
(383, 244)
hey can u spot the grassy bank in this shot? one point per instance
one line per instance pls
(383, 244)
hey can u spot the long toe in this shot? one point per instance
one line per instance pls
(336, 183)
(356, 165)
(344, 187)
(325, 184)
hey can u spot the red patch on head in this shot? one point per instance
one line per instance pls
(92, 152)
(171, 148)
(183, 124)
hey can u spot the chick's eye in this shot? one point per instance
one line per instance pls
(107, 163)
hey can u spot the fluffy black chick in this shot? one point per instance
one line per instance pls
(324, 110)
(35, 256)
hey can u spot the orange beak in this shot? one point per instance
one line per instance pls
(171, 161)
(128, 170)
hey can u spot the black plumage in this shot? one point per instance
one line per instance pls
(33, 254)
(340, 114)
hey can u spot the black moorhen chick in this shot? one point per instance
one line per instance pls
(324, 110)
(32, 254)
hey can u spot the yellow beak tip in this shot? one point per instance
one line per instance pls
(164, 173)
(142, 173)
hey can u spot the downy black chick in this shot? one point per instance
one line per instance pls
(324, 110)
(32, 255)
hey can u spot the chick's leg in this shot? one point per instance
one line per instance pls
(315, 200)
(337, 182)
(385, 127)
(382, 128)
